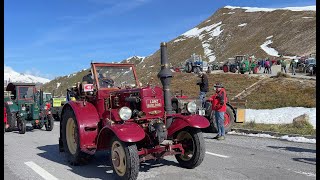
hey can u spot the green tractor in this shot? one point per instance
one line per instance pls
(25, 105)
(246, 65)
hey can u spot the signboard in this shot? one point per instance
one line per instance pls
(154, 103)
(88, 87)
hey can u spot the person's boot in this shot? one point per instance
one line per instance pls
(217, 136)
(221, 138)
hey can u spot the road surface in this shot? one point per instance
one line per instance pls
(35, 156)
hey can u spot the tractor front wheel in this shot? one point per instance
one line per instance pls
(125, 159)
(22, 127)
(49, 124)
(71, 140)
(194, 148)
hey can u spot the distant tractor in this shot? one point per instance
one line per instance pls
(56, 106)
(24, 105)
(195, 64)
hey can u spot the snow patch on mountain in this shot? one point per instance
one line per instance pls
(243, 24)
(257, 9)
(269, 37)
(195, 32)
(269, 50)
(13, 76)
(229, 13)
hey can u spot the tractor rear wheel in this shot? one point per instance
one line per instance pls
(188, 67)
(194, 148)
(22, 127)
(50, 123)
(11, 120)
(229, 118)
(71, 140)
(125, 159)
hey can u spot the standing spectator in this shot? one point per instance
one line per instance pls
(293, 66)
(270, 65)
(204, 86)
(283, 65)
(219, 100)
(266, 67)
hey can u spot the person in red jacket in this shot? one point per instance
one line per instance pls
(219, 106)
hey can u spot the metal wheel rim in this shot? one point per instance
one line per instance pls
(183, 137)
(118, 158)
(71, 136)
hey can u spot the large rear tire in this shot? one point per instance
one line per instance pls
(229, 118)
(194, 147)
(188, 67)
(125, 159)
(71, 140)
(11, 120)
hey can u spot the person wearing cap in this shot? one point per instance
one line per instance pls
(204, 87)
(105, 81)
(88, 78)
(219, 106)
(293, 66)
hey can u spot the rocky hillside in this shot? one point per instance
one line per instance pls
(261, 32)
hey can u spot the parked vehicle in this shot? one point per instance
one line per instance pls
(310, 66)
(185, 105)
(135, 123)
(56, 106)
(196, 64)
(25, 106)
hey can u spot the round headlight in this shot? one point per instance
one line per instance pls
(192, 107)
(23, 108)
(125, 113)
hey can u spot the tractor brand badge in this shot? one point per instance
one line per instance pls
(154, 103)
(88, 87)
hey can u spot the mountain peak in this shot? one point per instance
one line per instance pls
(256, 9)
(13, 76)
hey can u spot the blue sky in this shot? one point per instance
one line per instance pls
(55, 38)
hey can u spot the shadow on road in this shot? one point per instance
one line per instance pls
(294, 149)
(99, 167)
(306, 160)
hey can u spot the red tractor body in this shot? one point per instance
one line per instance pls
(129, 120)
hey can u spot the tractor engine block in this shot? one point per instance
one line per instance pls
(158, 130)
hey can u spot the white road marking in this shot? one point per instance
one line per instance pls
(306, 173)
(219, 155)
(43, 173)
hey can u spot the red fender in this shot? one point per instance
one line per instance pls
(180, 122)
(87, 119)
(126, 132)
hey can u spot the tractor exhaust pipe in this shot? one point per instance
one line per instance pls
(165, 76)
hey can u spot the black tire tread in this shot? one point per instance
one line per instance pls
(197, 159)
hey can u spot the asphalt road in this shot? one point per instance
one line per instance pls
(35, 156)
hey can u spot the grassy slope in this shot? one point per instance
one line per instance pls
(283, 92)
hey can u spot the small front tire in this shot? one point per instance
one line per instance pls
(22, 127)
(193, 143)
(124, 159)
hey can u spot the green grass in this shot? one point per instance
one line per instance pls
(304, 128)
(283, 92)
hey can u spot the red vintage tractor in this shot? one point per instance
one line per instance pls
(135, 123)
